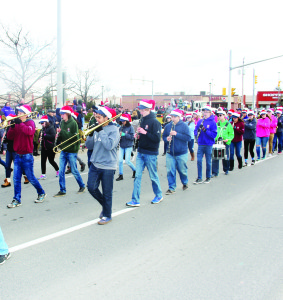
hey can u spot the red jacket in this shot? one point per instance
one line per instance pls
(22, 134)
(239, 129)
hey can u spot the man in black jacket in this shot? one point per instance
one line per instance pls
(149, 134)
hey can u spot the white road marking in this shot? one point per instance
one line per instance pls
(65, 231)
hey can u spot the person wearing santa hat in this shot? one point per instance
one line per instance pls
(205, 132)
(273, 125)
(149, 134)
(104, 141)
(192, 126)
(178, 135)
(126, 145)
(262, 133)
(249, 137)
(22, 133)
(69, 131)
(279, 131)
(47, 141)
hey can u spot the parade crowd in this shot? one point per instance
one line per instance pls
(219, 134)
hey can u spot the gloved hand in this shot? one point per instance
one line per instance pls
(123, 134)
(203, 129)
(18, 121)
(98, 129)
(201, 126)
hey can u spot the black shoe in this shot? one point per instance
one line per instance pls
(82, 167)
(214, 175)
(169, 192)
(253, 162)
(4, 257)
(198, 181)
(68, 171)
(134, 174)
(163, 154)
(81, 190)
(207, 180)
(60, 194)
(185, 187)
(120, 178)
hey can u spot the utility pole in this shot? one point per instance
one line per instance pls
(253, 89)
(243, 73)
(59, 56)
(102, 92)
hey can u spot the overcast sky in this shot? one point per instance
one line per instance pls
(180, 45)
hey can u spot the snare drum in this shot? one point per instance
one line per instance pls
(218, 151)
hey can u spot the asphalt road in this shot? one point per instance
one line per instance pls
(221, 240)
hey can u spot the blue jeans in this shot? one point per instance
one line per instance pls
(24, 163)
(106, 177)
(207, 151)
(2, 162)
(3, 246)
(238, 146)
(149, 161)
(261, 141)
(127, 152)
(178, 163)
(191, 145)
(71, 158)
(10, 156)
(89, 153)
(225, 162)
(279, 136)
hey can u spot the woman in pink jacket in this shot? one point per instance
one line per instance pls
(262, 133)
(273, 125)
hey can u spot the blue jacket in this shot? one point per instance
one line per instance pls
(179, 142)
(207, 138)
(192, 127)
(250, 129)
(7, 110)
(127, 140)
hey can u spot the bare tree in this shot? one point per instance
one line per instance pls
(84, 84)
(25, 65)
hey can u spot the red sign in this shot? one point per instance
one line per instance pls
(269, 96)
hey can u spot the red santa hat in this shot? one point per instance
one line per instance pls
(270, 110)
(250, 112)
(263, 112)
(146, 104)
(189, 115)
(207, 107)
(43, 119)
(126, 117)
(177, 112)
(26, 109)
(278, 111)
(236, 114)
(231, 111)
(168, 116)
(66, 110)
(10, 116)
(106, 111)
(75, 114)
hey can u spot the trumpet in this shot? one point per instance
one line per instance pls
(83, 134)
(5, 123)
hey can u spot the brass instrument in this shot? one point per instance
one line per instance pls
(5, 123)
(83, 134)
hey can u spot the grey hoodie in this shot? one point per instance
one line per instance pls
(104, 144)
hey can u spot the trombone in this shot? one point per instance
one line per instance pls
(5, 123)
(84, 134)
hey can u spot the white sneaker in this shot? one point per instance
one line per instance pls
(42, 177)
(270, 154)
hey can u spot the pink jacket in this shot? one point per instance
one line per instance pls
(263, 127)
(273, 124)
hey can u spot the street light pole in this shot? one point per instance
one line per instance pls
(210, 94)
(59, 57)
(102, 92)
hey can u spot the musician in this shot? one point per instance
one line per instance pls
(126, 145)
(273, 126)
(69, 129)
(225, 134)
(205, 131)
(92, 123)
(192, 126)
(149, 134)
(262, 133)
(279, 131)
(177, 133)
(4, 250)
(249, 137)
(22, 133)
(47, 141)
(104, 142)
(239, 129)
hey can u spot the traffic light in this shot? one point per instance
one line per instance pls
(255, 79)
(224, 91)
(279, 83)
(233, 91)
